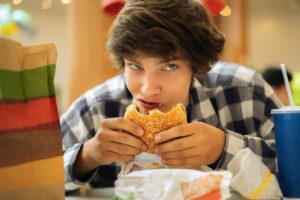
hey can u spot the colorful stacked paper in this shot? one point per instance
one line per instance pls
(31, 163)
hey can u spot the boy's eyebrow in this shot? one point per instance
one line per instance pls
(132, 60)
(172, 58)
(175, 56)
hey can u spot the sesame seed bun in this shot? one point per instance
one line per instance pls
(155, 122)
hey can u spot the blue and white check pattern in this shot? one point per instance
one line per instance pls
(231, 97)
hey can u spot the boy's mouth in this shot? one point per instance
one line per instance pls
(148, 105)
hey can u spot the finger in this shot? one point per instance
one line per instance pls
(125, 138)
(123, 124)
(173, 133)
(190, 161)
(122, 149)
(185, 153)
(116, 157)
(175, 145)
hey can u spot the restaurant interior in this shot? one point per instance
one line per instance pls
(258, 34)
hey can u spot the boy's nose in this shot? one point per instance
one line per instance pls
(150, 87)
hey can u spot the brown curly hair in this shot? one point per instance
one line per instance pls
(163, 28)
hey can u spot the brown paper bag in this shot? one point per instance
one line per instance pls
(31, 163)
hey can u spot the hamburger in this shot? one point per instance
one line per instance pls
(155, 122)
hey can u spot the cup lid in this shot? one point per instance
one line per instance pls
(286, 109)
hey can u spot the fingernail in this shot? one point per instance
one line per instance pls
(157, 138)
(140, 132)
(156, 150)
(144, 147)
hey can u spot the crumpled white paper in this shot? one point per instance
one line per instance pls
(175, 184)
(142, 161)
(251, 178)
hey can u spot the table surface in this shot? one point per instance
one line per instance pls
(107, 193)
(99, 194)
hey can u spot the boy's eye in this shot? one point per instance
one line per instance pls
(170, 67)
(134, 66)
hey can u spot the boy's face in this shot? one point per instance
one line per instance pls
(158, 84)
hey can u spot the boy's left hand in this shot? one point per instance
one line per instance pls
(192, 144)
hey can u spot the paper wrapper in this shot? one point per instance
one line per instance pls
(251, 178)
(142, 161)
(175, 184)
(145, 160)
(31, 163)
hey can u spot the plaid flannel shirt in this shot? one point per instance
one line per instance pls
(231, 97)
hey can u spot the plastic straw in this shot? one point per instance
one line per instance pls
(287, 84)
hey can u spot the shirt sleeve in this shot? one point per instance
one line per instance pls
(77, 127)
(262, 140)
(69, 159)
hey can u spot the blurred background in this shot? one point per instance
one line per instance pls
(259, 34)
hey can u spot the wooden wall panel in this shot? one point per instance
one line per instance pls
(235, 29)
(89, 61)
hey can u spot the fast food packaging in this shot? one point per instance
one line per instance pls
(175, 184)
(31, 163)
(252, 179)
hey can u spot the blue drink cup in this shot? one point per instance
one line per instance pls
(287, 137)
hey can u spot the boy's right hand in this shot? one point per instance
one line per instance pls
(117, 140)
